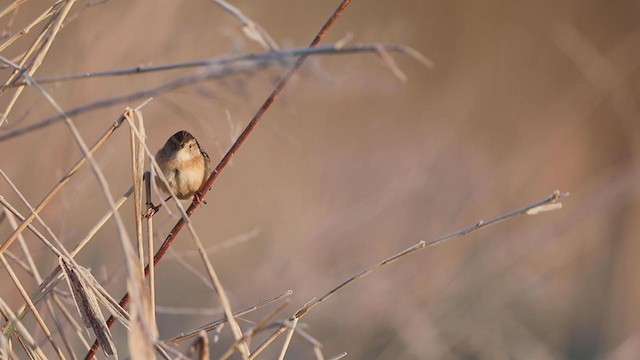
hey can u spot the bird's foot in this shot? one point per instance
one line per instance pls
(199, 198)
(151, 210)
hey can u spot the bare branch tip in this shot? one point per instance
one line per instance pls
(344, 41)
(143, 104)
(418, 56)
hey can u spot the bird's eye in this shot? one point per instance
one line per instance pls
(190, 146)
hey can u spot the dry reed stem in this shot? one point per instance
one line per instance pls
(143, 329)
(47, 13)
(209, 73)
(39, 295)
(35, 231)
(424, 244)
(164, 349)
(61, 183)
(17, 191)
(87, 304)
(9, 327)
(31, 267)
(190, 268)
(124, 237)
(213, 276)
(221, 165)
(205, 188)
(103, 291)
(252, 29)
(126, 245)
(339, 356)
(150, 242)
(261, 325)
(33, 270)
(281, 327)
(200, 347)
(31, 347)
(11, 7)
(267, 342)
(36, 313)
(37, 61)
(79, 331)
(149, 224)
(219, 322)
(287, 339)
(415, 248)
(137, 176)
(18, 261)
(198, 311)
(6, 352)
(266, 57)
(53, 278)
(226, 244)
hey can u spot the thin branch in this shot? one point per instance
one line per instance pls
(252, 29)
(61, 183)
(37, 61)
(424, 244)
(36, 313)
(234, 148)
(33, 350)
(213, 70)
(214, 324)
(271, 56)
(413, 249)
(287, 340)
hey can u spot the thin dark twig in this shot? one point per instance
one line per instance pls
(225, 160)
(539, 205)
(214, 324)
(217, 68)
(424, 244)
(271, 56)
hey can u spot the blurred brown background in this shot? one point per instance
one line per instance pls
(352, 165)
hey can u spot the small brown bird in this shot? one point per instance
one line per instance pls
(184, 164)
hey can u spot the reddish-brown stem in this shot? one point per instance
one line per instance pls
(227, 157)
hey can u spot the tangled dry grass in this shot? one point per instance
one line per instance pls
(335, 160)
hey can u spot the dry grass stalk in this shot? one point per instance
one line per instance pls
(24, 31)
(143, 329)
(36, 313)
(415, 248)
(252, 29)
(215, 324)
(87, 306)
(287, 339)
(228, 61)
(200, 347)
(213, 277)
(142, 323)
(221, 165)
(61, 183)
(260, 326)
(41, 53)
(212, 71)
(29, 345)
(339, 356)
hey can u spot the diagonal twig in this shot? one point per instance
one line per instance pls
(534, 208)
(230, 153)
(213, 69)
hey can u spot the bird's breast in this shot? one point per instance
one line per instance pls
(185, 176)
